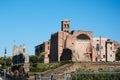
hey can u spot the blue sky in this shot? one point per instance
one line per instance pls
(33, 21)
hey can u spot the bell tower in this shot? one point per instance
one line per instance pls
(65, 26)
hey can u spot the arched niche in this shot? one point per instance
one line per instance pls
(83, 37)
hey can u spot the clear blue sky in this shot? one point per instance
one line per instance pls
(33, 21)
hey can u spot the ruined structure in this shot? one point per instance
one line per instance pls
(20, 57)
(44, 47)
(76, 46)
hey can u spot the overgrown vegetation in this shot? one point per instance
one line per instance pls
(8, 62)
(118, 54)
(42, 55)
(33, 59)
(40, 67)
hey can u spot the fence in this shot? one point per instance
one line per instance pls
(81, 76)
(92, 76)
(50, 77)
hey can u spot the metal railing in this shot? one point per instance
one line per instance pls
(81, 76)
(92, 76)
(50, 77)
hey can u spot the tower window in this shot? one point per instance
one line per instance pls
(67, 25)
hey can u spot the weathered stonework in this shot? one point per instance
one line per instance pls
(44, 47)
(20, 57)
(78, 46)
(20, 54)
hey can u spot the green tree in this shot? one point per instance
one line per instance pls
(8, 62)
(0, 61)
(33, 59)
(42, 54)
(118, 54)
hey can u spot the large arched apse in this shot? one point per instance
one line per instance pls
(83, 47)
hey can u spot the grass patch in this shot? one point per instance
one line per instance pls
(41, 67)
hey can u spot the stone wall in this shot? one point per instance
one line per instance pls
(93, 66)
